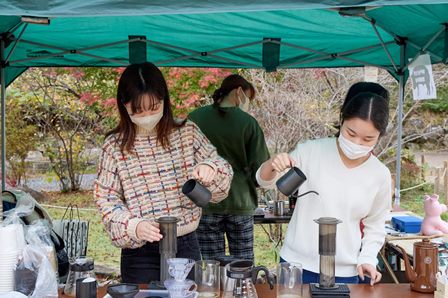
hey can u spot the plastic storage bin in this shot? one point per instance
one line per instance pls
(407, 224)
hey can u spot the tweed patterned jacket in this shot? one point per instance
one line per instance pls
(146, 184)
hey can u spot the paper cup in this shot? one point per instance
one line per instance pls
(20, 237)
(11, 253)
(8, 235)
(7, 284)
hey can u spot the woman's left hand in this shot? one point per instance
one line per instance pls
(370, 271)
(204, 173)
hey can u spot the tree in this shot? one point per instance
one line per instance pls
(21, 137)
(296, 105)
(72, 108)
(192, 87)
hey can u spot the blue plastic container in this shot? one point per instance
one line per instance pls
(407, 224)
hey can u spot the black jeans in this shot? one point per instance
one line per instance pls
(142, 265)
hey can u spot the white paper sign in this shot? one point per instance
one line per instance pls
(370, 74)
(420, 72)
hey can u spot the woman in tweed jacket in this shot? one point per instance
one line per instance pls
(145, 161)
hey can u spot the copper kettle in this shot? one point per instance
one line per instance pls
(426, 265)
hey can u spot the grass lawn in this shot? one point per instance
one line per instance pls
(413, 200)
(99, 245)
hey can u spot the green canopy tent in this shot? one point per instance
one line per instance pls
(230, 34)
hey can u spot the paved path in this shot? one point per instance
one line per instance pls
(52, 184)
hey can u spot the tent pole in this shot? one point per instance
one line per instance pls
(330, 55)
(294, 62)
(401, 85)
(105, 45)
(425, 48)
(3, 132)
(72, 51)
(397, 37)
(384, 46)
(165, 45)
(16, 42)
(208, 53)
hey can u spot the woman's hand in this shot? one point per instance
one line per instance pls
(148, 231)
(370, 271)
(204, 173)
(281, 162)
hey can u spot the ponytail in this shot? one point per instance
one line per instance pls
(229, 84)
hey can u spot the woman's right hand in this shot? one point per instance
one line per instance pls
(281, 162)
(148, 231)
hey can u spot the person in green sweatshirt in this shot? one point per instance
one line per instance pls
(239, 139)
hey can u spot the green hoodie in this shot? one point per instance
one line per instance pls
(240, 140)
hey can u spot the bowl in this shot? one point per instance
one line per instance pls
(123, 290)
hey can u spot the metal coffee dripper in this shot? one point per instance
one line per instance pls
(327, 251)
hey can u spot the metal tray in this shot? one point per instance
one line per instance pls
(148, 294)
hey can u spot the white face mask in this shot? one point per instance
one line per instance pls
(147, 122)
(352, 150)
(244, 105)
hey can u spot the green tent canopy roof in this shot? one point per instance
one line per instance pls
(62, 8)
(235, 34)
(231, 34)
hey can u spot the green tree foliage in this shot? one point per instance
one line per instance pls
(440, 104)
(21, 137)
(71, 108)
(190, 87)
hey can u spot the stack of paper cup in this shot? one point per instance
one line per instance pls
(442, 286)
(13, 241)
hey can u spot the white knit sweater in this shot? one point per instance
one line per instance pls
(351, 195)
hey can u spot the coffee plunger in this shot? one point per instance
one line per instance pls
(168, 244)
(327, 251)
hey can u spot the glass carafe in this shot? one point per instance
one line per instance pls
(242, 288)
(241, 278)
(81, 268)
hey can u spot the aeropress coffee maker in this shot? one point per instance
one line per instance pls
(167, 247)
(327, 251)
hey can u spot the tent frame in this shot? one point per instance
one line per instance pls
(3, 114)
(397, 72)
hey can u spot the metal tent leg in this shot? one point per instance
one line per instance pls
(401, 83)
(3, 132)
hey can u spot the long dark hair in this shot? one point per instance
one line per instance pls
(136, 83)
(230, 83)
(367, 101)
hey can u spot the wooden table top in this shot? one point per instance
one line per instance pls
(361, 291)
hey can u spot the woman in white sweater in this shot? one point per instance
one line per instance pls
(353, 186)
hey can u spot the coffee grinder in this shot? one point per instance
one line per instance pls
(327, 251)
